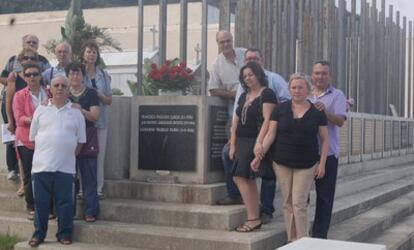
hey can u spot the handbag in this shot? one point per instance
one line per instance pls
(91, 148)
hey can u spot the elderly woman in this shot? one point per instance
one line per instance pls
(99, 80)
(294, 129)
(87, 101)
(25, 102)
(16, 82)
(249, 127)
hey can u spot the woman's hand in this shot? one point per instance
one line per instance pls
(232, 152)
(11, 127)
(255, 164)
(258, 150)
(319, 171)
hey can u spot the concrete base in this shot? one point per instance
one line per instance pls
(202, 172)
(318, 244)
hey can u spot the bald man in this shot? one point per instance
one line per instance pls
(58, 132)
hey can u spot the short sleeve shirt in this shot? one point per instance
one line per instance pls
(296, 144)
(86, 100)
(250, 117)
(56, 133)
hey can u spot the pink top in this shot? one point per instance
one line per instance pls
(22, 109)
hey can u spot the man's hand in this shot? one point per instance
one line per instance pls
(320, 106)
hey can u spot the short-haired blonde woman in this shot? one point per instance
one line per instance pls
(294, 129)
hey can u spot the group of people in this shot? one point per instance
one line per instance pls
(284, 131)
(59, 118)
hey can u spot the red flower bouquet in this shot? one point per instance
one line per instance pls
(172, 75)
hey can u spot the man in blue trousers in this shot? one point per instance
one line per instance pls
(58, 131)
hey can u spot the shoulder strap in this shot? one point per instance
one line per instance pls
(51, 75)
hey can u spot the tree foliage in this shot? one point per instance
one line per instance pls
(77, 31)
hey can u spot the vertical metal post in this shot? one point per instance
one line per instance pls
(204, 17)
(409, 80)
(162, 38)
(140, 46)
(183, 29)
(224, 19)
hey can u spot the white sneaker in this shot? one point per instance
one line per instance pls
(11, 175)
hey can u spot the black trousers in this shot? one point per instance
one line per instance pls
(325, 193)
(26, 156)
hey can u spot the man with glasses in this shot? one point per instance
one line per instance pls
(223, 82)
(58, 132)
(29, 41)
(63, 53)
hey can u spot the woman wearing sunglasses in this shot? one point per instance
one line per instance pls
(16, 82)
(25, 102)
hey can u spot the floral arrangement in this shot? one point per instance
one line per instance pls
(172, 75)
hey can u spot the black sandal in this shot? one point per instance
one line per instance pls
(34, 242)
(244, 228)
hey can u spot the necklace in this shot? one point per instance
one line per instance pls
(248, 102)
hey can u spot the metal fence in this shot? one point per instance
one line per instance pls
(367, 50)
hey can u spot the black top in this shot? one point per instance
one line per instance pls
(20, 83)
(296, 143)
(250, 117)
(88, 99)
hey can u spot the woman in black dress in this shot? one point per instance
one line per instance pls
(249, 127)
(298, 158)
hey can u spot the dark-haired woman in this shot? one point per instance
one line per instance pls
(86, 100)
(249, 127)
(99, 80)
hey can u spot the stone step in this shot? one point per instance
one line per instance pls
(358, 168)
(206, 194)
(373, 222)
(157, 213)
(117, 235)
(173, 214)
(220, 217)
(8, 184)
(398, 237)
(50, 245)
(163, 237)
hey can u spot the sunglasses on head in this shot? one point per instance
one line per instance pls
(32, 74)
(29, 58)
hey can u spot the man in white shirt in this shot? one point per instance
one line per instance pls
(58, 131)
(224, 73)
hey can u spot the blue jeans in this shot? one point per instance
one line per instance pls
(267, 189)
(87, 168)
(325, 193)
(61, 187)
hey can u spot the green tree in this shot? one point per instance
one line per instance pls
(77, 31)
